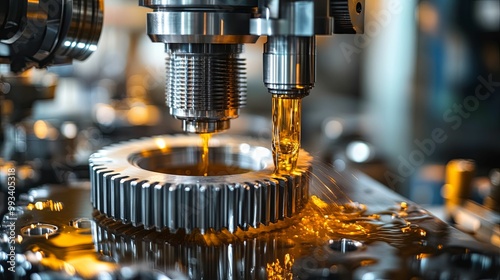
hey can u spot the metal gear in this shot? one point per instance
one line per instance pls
(213, 256)
(124, 187)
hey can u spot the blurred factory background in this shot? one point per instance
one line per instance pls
(418, 89)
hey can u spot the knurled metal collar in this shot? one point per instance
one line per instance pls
(124, 189)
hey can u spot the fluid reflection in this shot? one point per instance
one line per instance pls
(348, 238)
(70, 251)
(379, 235)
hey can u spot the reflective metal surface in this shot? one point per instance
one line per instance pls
(154, 222)
(130, 184)
(286, 18)
(199, 27)
(206, 82)
(84, 29)
(198, 3)
(42, 33)
(289, 55)
(205, 85)
(352, 228)
(290, 65)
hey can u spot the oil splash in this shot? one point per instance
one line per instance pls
(272, 248)
(278, 271)
(330, 223)
(333, 235)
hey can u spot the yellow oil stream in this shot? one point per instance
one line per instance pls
(286, 133)
(205, 139)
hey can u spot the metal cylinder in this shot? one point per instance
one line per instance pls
(205, 85)
(42, 33)
(84, 19)
(215, 4)
(290, 65)
(208, 25)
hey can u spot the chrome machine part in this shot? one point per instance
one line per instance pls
(290, 52)
(291, 27)
(290, 65)
(289, 59)
(206, 83)
(42, 33)
(129, 184)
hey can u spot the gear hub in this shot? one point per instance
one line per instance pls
(133, 182)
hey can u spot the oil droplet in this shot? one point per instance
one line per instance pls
(404, 206)
(318, 202)
(406, 229)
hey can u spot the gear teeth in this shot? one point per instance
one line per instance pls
(126, 192)
(228, 259)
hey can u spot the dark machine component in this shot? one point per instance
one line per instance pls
(42, 33)
(10, 17)
(348, 16)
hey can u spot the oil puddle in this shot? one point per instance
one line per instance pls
(334, 237)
